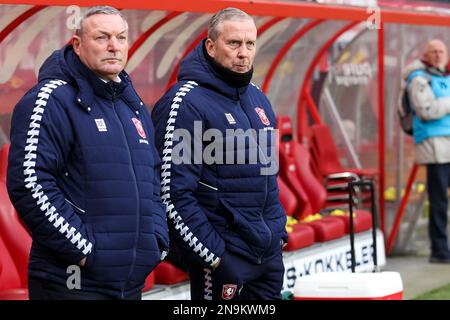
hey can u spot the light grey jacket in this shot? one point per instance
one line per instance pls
(427, 107)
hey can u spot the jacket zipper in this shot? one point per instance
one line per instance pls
(265, 188)
(137, 202)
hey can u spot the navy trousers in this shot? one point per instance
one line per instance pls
(438, 181)
(236, 278)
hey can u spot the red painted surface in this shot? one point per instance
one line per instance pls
(18, 21)
(307, 80)
(150, 31)
(261, 8)
(284, 50)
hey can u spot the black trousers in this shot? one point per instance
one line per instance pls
(39, 289)
(237, 278)
(438, 181)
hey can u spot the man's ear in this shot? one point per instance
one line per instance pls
(210, 47)
(76, 44)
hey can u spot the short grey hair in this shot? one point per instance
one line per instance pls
(224, 15)
(97, 10)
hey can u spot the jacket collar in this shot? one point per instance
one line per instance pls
(196, 67)
(89, 84)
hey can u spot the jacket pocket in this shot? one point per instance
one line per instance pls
(247, 223)
(77, 208)
(207, 195)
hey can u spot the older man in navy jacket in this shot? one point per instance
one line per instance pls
(83, 172)
(215, 133)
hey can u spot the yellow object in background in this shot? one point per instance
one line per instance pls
(420, 187)
(390, 194)
(291, 221)
(426, 209)
(338, 212)
(312, 217)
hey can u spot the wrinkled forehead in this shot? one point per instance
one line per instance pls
(238, 28)
(106, 23)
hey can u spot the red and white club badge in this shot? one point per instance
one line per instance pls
(228, 291)
(262, 116)
(139, 127)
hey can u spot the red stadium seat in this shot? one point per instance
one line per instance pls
(325, 229)
(14, 294)
(15, 243)
(327, 166)
(288, 169)
(328, 227)
(10, 282)
(9, 277)
(300, 235)
(287, 198)
(13, 232)
(326, 154)
(362, 220)
(317, 193)
(149, 282)
(167, 273)
(4, 162)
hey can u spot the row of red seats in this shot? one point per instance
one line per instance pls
(304, 197)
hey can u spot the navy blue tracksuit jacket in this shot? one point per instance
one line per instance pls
(220, 206)
(83, 174)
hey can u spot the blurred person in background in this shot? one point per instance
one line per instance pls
(428, 86)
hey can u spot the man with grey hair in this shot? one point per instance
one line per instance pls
(225, 218)
(428, 85)
(83, 171)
